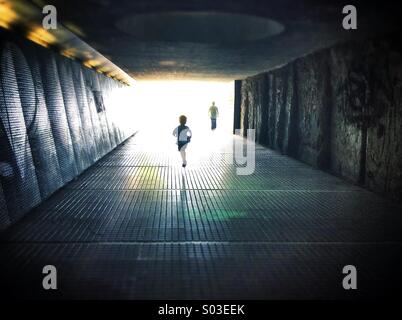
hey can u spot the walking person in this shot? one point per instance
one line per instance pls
(213, 114)
(183, 134)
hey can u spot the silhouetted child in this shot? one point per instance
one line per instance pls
(183, 134)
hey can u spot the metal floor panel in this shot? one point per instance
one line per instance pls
(211, 215)
(212, 178)
(202, 270)
(138, 226)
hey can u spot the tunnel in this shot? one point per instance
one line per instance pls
(291, 184)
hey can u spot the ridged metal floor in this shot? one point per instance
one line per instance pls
(138, 226)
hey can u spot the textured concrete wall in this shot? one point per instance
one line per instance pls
(339, 109)
(237, 105)
(314, 110)
(20, 183)
(346, 135)
(51, 127)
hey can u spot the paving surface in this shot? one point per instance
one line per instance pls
(138, 226)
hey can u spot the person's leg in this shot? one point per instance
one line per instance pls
(213, 124)
(183, 154)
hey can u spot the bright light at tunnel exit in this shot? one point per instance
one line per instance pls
(158, 104)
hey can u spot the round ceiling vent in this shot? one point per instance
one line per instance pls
(199, 27)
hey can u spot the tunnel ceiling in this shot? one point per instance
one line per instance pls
(210, 39)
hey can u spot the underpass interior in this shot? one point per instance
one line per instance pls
(92, 182)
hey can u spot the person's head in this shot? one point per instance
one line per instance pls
(183, 120)
(213, 103)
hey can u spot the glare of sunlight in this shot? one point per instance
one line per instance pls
(121, 109)
(158, 105)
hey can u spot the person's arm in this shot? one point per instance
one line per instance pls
(175, 132)
(191, 134)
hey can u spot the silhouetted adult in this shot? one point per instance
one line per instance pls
(213, 114)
